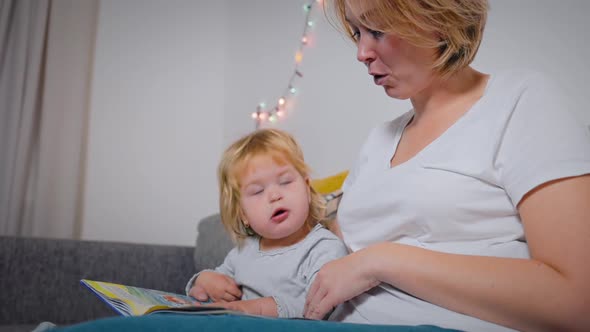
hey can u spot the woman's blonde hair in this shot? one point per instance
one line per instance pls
(458, 25)
(283, 148)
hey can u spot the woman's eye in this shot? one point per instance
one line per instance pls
(376, 34)
(356, 34)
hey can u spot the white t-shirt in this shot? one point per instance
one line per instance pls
(459, 194)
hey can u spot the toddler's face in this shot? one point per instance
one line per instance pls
(275, 201)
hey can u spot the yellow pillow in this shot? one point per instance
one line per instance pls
(329, 184)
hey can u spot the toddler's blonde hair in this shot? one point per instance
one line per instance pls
(283, 148)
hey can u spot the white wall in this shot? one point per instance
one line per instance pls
(156, 120)
(546, 35)
(176, 81)
(339, 104)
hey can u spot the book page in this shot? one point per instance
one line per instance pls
(135, 301)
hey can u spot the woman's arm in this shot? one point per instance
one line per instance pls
(551, 291)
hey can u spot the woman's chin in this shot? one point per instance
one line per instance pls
(395, 93)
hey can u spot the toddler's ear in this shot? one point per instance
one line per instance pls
(243, 218)
(245, 222)
(308, 182)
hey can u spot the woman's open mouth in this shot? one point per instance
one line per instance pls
(379, 79)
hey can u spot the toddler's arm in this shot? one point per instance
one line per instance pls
(217, 285)
(264, 306)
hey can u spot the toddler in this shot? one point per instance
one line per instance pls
(273, 215)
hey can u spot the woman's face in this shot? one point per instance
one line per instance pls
(401, 68)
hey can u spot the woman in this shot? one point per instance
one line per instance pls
(471, 210)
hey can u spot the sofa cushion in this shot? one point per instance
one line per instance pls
(213, 243)
(18, 328)
(329, 184)
(40, 278)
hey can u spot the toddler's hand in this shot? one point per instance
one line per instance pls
(264, 306)
(215, 286)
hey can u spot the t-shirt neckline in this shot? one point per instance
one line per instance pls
(449, 131)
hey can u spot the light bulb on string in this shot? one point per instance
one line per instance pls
(298, 57)
(273, 113)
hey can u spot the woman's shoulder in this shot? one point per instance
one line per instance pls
(519, 80)
(510, 87)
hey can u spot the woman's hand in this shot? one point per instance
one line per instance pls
(215, 286)
(339, 281)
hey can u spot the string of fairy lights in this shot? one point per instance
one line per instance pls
(263, 112)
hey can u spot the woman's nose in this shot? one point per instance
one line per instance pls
(365, 52)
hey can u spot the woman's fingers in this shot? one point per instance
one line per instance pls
(311, 293)
(317, 301)
(321, 309)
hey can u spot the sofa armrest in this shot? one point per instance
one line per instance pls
(40, 277)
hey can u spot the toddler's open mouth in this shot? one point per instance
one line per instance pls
(280, 215)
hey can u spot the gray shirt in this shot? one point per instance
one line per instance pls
(284, 274)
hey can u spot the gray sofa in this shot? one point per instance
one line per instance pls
(39, 278)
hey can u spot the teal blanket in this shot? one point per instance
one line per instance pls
(192, 323)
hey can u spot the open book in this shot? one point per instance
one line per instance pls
(135, 301)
